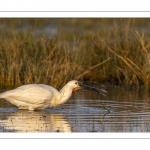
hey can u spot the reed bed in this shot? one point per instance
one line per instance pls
(115, 54)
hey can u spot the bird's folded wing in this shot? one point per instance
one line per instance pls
(34, 94)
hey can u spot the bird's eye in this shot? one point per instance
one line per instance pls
(76, 83)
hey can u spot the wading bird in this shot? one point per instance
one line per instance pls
(40, 96)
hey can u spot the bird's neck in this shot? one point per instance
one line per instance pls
(65, 94)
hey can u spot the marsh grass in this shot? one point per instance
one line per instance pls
(115, 54)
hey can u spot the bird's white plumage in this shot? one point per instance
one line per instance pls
(38, 96)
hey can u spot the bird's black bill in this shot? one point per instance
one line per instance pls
(100, 91)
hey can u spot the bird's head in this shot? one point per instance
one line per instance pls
(72, 86)
(76, 85)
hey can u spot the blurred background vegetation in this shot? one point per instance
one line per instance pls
(55, 50)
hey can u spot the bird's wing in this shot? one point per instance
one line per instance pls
(31, 93)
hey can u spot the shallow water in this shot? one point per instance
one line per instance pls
(120, 111)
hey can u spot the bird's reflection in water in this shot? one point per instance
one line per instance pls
(34, 121)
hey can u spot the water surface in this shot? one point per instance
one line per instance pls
(120, 111)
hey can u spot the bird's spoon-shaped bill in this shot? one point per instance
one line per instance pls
(100, 91)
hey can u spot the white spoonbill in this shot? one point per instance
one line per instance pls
(40, 96)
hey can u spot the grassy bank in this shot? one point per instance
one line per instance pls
(116, 53)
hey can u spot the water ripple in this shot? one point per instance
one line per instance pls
(82, 113)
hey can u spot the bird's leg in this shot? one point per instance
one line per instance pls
(31, 108)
